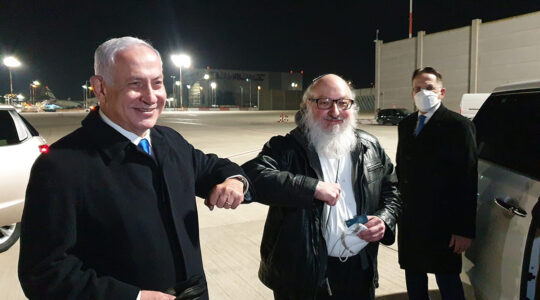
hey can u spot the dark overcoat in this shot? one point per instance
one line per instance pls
(103, 219)
(437, 173)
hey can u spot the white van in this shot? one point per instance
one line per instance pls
(505, 255)
(471, 103)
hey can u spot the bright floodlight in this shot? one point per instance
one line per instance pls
(36, 83)
(259, 87)
(206, 76)
(11, 62)
(181, 60)
(84, 86)
(177, 82)
(213, 85)
(20, 97)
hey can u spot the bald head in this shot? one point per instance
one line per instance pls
(325, 85)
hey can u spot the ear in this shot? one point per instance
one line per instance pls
(443, 93)
(99, 88)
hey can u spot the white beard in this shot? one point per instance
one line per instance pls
(331, 143)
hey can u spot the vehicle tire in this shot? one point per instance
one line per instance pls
(9, 234)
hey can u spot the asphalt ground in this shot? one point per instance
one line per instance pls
(229, 239)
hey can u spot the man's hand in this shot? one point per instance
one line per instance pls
(228, 194)
(328, 192)
(375, 231)
(153, 295)
(460, 243)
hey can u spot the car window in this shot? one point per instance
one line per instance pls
(31, 128)
(8, 129)
(508, 131)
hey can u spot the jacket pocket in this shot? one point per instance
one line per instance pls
(374, 172)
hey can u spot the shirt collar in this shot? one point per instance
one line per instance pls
(132, 137)
(430, 113)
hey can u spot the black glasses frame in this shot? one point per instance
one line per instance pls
(333, 101)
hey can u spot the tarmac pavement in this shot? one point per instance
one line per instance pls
(230, 239)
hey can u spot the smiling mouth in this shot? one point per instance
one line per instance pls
(142, 109)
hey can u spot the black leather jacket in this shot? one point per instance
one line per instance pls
(285, 174)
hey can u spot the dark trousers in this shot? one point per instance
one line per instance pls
(352, 279)
(450, 286)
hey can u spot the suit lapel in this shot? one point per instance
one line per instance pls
(434, 122)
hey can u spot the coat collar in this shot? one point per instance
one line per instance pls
(112, 143)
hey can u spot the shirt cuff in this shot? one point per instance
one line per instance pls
(244, 181)
(138, 296)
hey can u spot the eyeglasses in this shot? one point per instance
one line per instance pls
(325, 103)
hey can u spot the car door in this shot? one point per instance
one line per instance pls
(505, 251)
(18, 151)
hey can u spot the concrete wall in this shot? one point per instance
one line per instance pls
(509, 51)
(472, 59)
(398, 60)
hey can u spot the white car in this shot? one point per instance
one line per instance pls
(506, 251)
(20, 145)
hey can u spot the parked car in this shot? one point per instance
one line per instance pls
(20, 145)
(471, 103)
(391, 115)
(51, 107)
(506, 251)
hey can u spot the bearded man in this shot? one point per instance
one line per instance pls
(321, 174)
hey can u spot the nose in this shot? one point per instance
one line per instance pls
(148, 94)
(334, 110)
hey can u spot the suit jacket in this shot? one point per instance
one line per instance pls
(102, 219)
(437, 173)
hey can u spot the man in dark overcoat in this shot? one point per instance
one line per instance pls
(437, 172)
(110, 211)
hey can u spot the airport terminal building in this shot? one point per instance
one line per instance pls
(206, 88)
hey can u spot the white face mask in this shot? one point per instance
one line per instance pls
(426, 100)
(352, 244)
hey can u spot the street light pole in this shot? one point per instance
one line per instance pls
(11, 62)
(181, 60)
(173, 84)
(249, 80)
(258, 94)
(241, 96)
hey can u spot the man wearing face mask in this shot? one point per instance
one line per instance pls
(437, 172)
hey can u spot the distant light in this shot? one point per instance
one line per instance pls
(11, 62)
(36, 83)
(206, 76)
(294, 84)
(181, 60)
(247, 79)
(302, 72)
(188, 86)
(20, 97)
(213, 85)
(177, 82)
(259, 87)
(291, 71)
(84, 86)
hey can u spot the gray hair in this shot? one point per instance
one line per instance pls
(106, 53)
(308, 92)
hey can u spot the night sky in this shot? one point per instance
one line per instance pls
(55, 40)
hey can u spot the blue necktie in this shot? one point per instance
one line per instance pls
(145, 146)
(421, 120)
